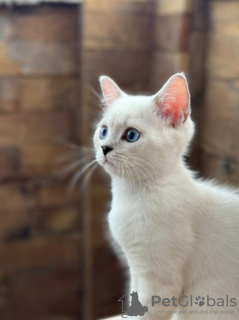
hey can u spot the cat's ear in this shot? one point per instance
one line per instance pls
(173, 100)
(111, 92)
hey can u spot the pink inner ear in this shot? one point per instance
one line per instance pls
(173, 101)
(111, 91)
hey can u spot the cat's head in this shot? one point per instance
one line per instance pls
(139, 136)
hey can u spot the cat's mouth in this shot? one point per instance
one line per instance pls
(109, 163)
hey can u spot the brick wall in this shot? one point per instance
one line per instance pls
(170, 40)
(40, 223)
(219, 139)
(47, 75)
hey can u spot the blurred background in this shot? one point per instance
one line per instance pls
(55, 261)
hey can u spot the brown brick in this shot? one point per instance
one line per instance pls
(224, 18)
(198, 53)
(120, 6)
(218, 137)
(110, 277)
(38, 94)
(36, 42)
(200, 19)
(222, 99)
(18, 129)
(40, 253)
(48, 94)
(40, 159)
(235, 133)
(52, 282)
(165, 65)
(9, 163)
(173, 7)
(117, 31)
(121, 65)
(8, 65)
(9, 95)
(56, 193)
(18, 197)
(37, 59)
(36, 294)
(172, 32)
(12, 224)
(59, 219)
(46, 24)
(100, 197)
(223, 169)
(221, 60)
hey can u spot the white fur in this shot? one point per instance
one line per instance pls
(180, 235)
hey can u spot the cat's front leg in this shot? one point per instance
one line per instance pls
(133, 282)
(154, 312)
(156, 298)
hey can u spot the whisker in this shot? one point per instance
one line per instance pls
(78, 175)
(153, 180)
(146, 163)
(69, 157)
(67, 169)
(118, 170)
(99, 98)
(143, 174)
(130, 182)
(88, 175)
(135, 169)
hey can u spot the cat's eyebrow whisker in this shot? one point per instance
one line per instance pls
(79, 174)
(99, 98)
(94, 92)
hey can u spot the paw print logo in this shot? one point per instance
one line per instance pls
(200, 301)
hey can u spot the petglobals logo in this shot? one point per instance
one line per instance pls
(185, 301)
(131, 306)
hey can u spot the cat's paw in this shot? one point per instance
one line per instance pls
(200, 301)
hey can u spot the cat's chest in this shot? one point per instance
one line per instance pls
(125, 225)
(133, 218)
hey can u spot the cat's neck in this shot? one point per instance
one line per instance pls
(176, 175)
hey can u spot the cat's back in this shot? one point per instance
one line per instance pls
(221, 201)
(217, 232)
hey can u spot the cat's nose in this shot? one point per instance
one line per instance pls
(106, 149)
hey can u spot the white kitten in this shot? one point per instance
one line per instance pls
(180, 235)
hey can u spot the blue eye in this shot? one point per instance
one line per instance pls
(132, 135)
(103, 132)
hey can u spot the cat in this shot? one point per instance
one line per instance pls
(179, 234)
